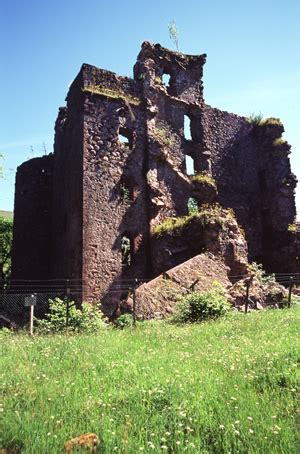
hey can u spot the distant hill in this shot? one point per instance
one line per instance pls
(6, 214)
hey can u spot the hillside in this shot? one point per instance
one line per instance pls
(6, 214)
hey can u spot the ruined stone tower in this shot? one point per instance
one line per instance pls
(119, 168)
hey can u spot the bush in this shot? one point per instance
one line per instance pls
(124, 321)
(197, 307)
(87, 319)
(256, 269)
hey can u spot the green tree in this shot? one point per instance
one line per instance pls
(6, 235)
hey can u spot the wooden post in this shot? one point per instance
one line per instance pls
(192, 287)
(30, 301)
(134, 303)
(248, 283)
(291, 285)
(67, 300)
(31, 320)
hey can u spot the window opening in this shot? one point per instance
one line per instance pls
(192, 205)
(166, 79)
(189, 165)
(187, 128)
(126, 137)
(126, 250)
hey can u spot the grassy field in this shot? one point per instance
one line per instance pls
(228, 386)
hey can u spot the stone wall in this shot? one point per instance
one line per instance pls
(66, 238)
(114, 185)
(32, 219)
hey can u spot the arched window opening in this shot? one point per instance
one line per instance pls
(189, 165)
(187, 128)
(126, 249)
(192, 205)
(126, 137)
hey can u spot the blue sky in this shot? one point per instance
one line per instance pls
(253, 62)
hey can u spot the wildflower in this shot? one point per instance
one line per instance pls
(221, 426)
(250, 419)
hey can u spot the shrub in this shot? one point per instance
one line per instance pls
(259, 273)
(124, 321)
(87, 319)
(197, 307)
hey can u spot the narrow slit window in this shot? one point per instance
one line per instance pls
(126, 249)
(126, 137)
(189, 165)
(187, 128)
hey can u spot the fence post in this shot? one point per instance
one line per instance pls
(134, 302)
(67, 299)
(248, 283)
(31, 320)
(291, 285)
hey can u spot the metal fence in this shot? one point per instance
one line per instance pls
(13, 294)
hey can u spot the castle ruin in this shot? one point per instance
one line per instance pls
(119, 169)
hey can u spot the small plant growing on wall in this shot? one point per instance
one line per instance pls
(173, 33)
(255, 119)
(192, 205)
(125, 193)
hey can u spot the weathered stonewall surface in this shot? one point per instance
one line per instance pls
(87, 212)
(158, 298)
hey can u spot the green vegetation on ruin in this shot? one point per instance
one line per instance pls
(217, 387)
(279, 142)
(205, 214)
(163, 137)
(292, 228)
(258, 120)
(110, 93)
(204, 178)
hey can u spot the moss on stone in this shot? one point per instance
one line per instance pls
(205, 214)
(204, 177)
(279, 141)
(271, 122)
(110, 93)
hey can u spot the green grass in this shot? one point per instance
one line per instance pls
(218, 387)
(6, 214)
